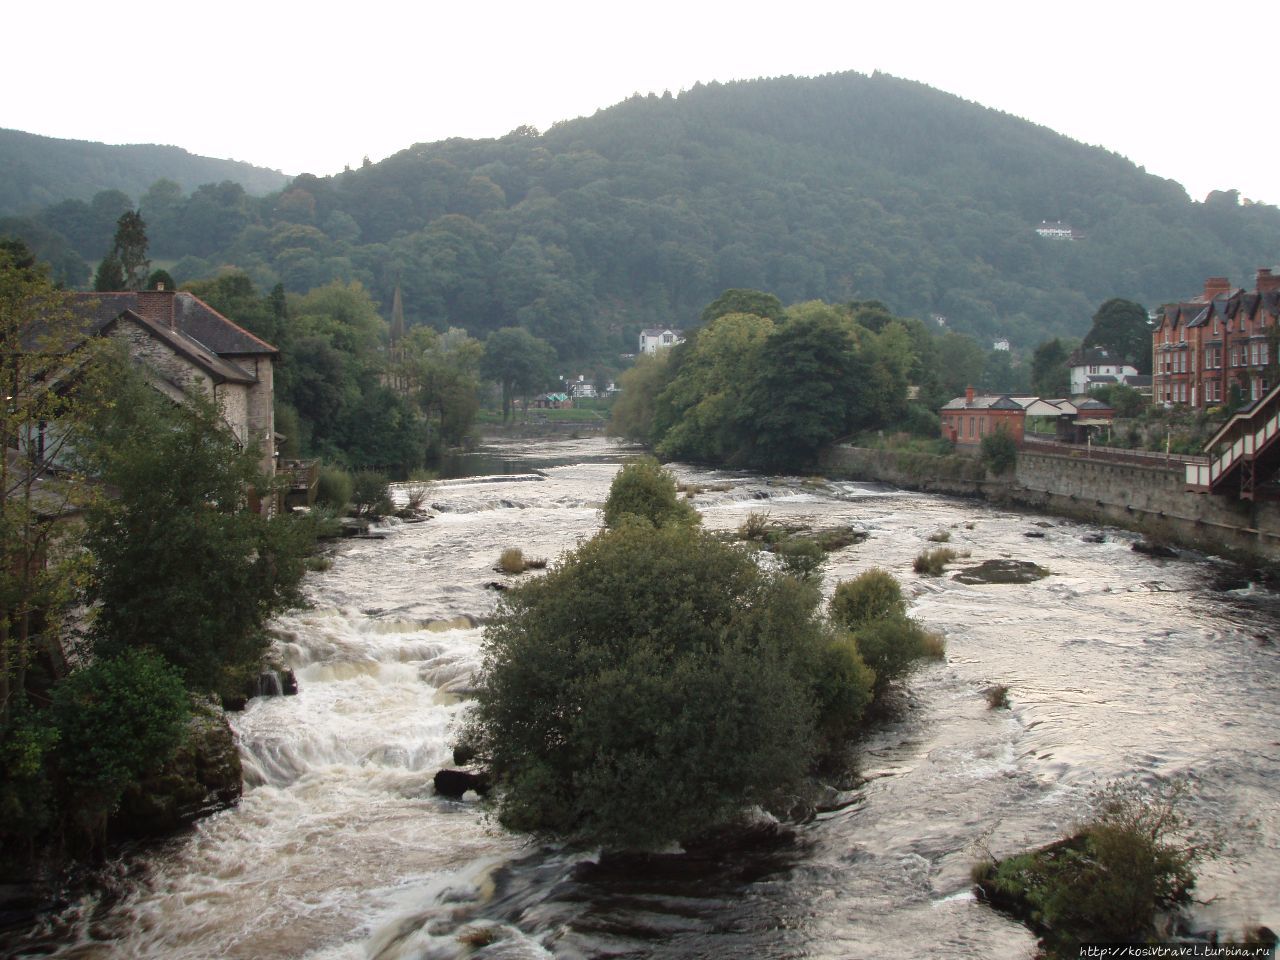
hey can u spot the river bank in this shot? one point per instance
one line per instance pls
(1146, 499)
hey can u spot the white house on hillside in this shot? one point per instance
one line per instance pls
(653, 339)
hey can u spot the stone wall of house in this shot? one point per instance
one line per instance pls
(142, 346)
(233, 401)
(260, 407)
(1149, 499)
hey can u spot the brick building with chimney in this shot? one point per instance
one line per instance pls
(184, 346)
(1223, 339)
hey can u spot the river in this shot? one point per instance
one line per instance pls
(1117, 665)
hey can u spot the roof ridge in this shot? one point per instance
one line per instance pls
(226, 319)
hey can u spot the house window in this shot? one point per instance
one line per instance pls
(982, 426)
(971, 433)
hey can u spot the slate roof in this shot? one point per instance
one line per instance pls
(1001, 402)
(217, 367)
(192, 317)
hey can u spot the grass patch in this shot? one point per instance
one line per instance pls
(756, 526)
(514, 561)
(933, 645)
(318, 563)
(997, 696)
(940, 536)
(932, 563)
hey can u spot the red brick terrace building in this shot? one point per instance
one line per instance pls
(1203, 347)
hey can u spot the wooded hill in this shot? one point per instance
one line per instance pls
(842, 187)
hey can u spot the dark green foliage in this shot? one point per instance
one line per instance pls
(518, 361)
(743, 301)
(801, 557)
(1122, 329)
(181, 565)
(109, 275)
(369, 493)
(892, 646)
(129, 248)
(1125, 400)
(160, 280)
(334, 488)
(645, 212)
(27, 798)
(999, 451)
(649, 687)
(920, 421)
(872, 595)
(1134, 857)
(41, 170)
(116, 719)
(645, 491)
(1050, 376)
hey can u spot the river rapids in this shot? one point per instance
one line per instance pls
(1117, 664)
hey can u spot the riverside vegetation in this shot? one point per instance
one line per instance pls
(657, 682)
(135, 583)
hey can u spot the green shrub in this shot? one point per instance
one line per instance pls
(801, 557)
(843, 686)
(920, 421)
(871, 595)
(334, 487)
(116, 719)
(755, 526)
(370, 494)
(643, 489)
(932, 563)
(27, 801)
(1107, 881)
(997, 696)
(651, 686)
(999, 452)
(892, 646)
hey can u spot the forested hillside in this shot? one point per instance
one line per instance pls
(844, 187)
(38, 171)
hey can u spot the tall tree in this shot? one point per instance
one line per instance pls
(39, 329)
(518, 361)
(1121, 327)
(130, 249)
(1049, 374)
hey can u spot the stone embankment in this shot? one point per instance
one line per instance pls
(1150, 499)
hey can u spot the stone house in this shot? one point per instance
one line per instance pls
(185, 347)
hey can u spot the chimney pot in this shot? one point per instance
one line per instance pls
(968, 394)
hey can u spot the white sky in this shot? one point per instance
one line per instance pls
(1188, 91)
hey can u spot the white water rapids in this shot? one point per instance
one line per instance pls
(1117, 665)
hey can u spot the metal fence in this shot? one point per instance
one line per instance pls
(1083, 451)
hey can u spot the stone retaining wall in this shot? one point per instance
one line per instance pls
(1149, 499)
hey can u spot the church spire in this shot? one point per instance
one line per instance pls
(397, 317)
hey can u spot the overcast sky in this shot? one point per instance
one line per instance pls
(1187, 91)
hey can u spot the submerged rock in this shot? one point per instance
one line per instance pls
(204, 776)
(1155, 550)
(1002, 571)
(454, 783)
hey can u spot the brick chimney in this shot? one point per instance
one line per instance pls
(968, 394)
(1267, 282)
(157, 306)
(1216, 286)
